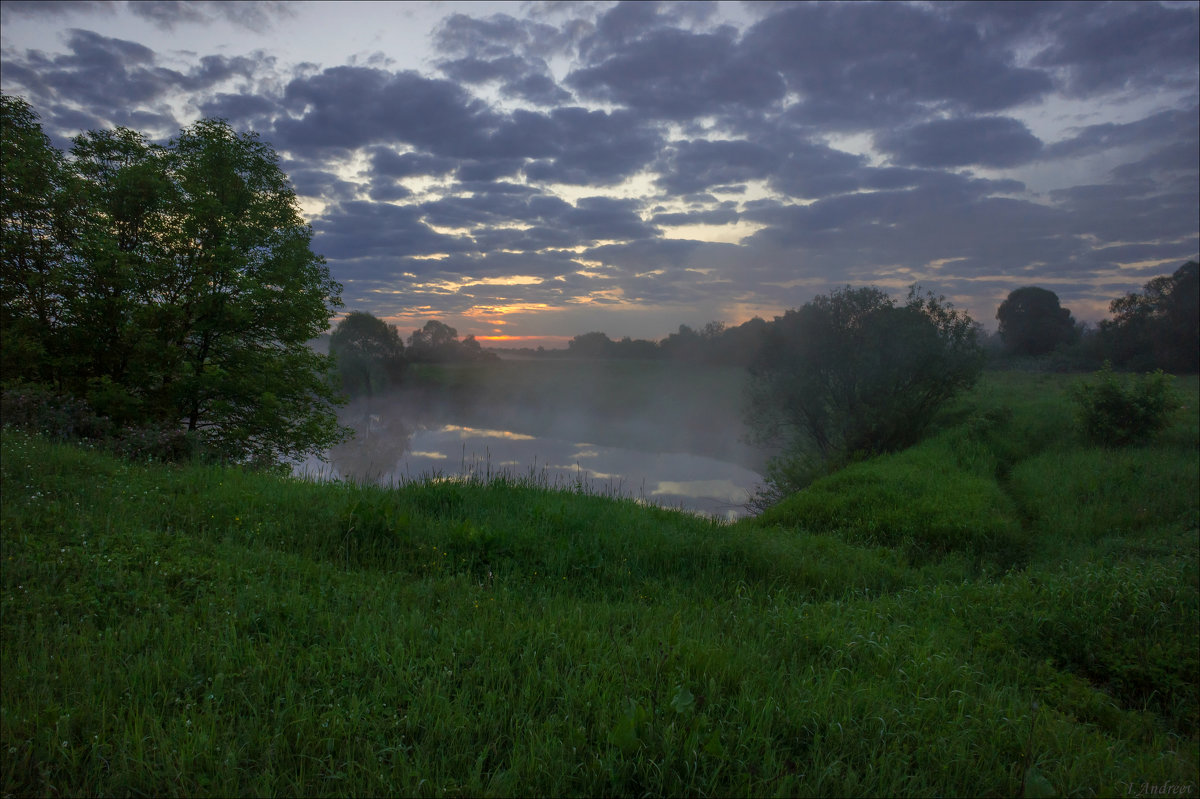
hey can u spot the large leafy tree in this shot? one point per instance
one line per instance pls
(1158, 327)
(172, 284)
(246, 292)
(1033, 322)
(854, 373)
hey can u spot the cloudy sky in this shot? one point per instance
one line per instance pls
(526, 172)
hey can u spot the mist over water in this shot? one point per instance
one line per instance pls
(658, 433)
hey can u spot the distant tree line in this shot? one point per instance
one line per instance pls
(371, 357)
(1156, 328)
(165, 285)
(1152, 329)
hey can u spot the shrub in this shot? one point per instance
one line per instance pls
(1117, 412)
(854, 374)
(40, 409)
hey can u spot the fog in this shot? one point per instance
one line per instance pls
(662, 433)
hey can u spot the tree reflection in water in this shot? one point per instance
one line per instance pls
(374, 451)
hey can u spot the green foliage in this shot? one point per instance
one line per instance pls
(162, 283)
(1159, 327)
(1033, 323)
(369, 354)
(1119, 412)
(853, 374)
(35, 408)
(209, 631)
(927, 501)
(34, 287)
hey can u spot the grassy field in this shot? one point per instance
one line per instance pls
(1002, 610)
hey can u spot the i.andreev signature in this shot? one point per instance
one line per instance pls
(1160, 789)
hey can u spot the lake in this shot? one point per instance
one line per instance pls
(648, 432)
(674, 480)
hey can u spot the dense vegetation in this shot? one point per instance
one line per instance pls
(854, 374)
(975, 594)
(166, 286)
(1004, 609)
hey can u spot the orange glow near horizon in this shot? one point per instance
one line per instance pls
(501, 339)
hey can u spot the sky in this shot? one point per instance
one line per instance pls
(526, 172)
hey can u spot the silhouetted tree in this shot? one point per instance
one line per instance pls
(590, 345)
(438, 342)
(638, 348)
(1032, 322)
(471, 350)
(854, 373)
(1158, 328)
(684, 345)
(369, 354)
(433, 342)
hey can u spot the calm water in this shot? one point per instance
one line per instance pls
(674, 480)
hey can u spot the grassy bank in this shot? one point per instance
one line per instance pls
(1002, 610)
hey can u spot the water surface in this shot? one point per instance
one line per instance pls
(392, 455)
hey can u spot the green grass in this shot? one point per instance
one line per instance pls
(1001, 606)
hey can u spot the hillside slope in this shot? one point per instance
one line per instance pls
(1001, 610)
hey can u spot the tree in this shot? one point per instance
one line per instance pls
(853, 373)
(1032, 322)
(171, 285)
(120, 195)
(33, 281)
(1160, 327)
(434, 342)
(591, 345)
(244, 296)
(369, 354)
(684, 345)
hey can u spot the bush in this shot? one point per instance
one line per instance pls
(1116, 412)
(855, 374)
(39, 409)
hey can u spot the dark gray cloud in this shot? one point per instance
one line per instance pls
(860, 66)
(974, 141)
(1165, 125)
(361, 229)
(498, 36)
(310, 182)
(852, 137)
(518, 77)
(61, 9)
(343, 108)
(589, 147)
(111, 78)
(675, 74)
(385, 161)
(249, 111)
(699, 164)
(717, 216)
(1122, 46)
(506, 50)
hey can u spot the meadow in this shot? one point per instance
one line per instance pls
(1002, 610)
